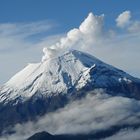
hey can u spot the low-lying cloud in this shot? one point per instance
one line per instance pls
(97, 111)
(126, 134)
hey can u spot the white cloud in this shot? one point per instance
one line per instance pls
(134, 27)
(126, 134)
(17, 48)
(123, 19)
(13, 35)
(92, 25)
(24, 29)
(96, 112)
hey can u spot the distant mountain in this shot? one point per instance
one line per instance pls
(46, 136)
(44, 87)
(100, 135)
(42, 136)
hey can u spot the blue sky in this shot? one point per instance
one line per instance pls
(68, 13)
(26, 26)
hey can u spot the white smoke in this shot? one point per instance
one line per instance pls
(89, 30)
(49, 53)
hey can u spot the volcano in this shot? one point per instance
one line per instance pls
(49, 85)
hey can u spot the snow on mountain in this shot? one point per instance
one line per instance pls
(50, 77)
(73, 70)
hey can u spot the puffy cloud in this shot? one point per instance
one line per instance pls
(92, 25)
(123, 19)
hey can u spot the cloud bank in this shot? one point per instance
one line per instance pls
(124, 20)
(19, 45)
(98, 111)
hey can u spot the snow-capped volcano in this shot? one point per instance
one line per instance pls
(51, 77)
(51, 84)
(68, 73)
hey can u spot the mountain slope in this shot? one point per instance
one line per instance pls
(67, 73)
(46, 86)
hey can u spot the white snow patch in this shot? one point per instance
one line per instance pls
(125, 79)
